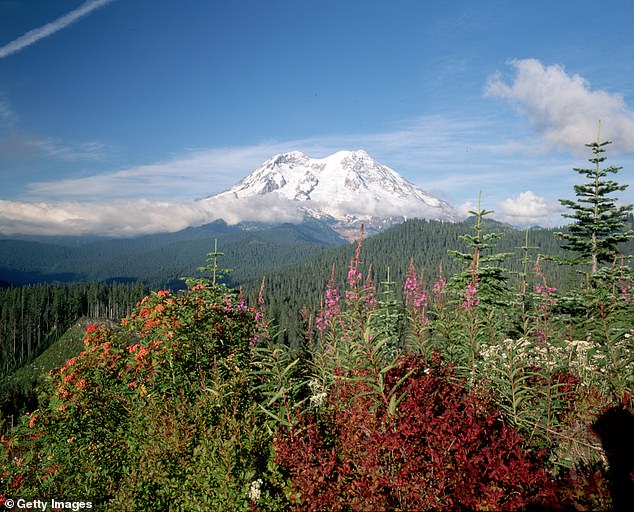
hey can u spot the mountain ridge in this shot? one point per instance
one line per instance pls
(346, 188)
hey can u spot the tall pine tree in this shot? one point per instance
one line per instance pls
(600, 223)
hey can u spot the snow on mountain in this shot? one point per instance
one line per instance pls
(347, 187)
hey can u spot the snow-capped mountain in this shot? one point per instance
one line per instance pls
(347, 187)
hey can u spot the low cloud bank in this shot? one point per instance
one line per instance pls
(128, 218)
(135, 217)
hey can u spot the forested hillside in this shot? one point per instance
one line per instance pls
(160, 260)
(32, 317)
(423, 243)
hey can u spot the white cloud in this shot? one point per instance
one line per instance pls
(563, 107)
(119, 218)
(33, 36)
(527, 209)
(7, 115)
(191, 175)
(464, 210)
(134, 217)
(429, 143)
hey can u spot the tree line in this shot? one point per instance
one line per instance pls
(34, 316)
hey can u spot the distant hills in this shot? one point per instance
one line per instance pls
(251, 249)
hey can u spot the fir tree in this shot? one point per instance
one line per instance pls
(484, 270)
(600, 223)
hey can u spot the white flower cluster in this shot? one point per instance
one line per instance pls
(587, 359)
(318, 393)
(517, 352)
(254, 492)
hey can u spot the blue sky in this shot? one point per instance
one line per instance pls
(116, 114)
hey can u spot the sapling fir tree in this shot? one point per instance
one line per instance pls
(484, 272)
(599, 223)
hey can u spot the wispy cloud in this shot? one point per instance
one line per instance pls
(18, 146)
(420, 149)
(7, 114)
(33, 36)
(187, 176)
(563, 107)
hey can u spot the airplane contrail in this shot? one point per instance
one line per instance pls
(32, 36)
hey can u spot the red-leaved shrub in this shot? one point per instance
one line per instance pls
(443, 448)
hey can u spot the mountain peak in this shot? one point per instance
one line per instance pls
(347, 186)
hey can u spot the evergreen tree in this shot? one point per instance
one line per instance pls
(600, 223)
(484, 270)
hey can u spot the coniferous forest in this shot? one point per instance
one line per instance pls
(434, 366)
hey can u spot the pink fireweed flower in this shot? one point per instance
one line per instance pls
(242, 303)
(420, 299)
(626, 291)
(471, 296)
(440, 285)
(369, 293)
(330, 308)
(547, 290)
(353, 274)
(352, 280)
(332, 302)
(415, 294)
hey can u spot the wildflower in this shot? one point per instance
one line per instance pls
(415, 295)
(440, 285)
(318, 399)
(318, 395)
(254, 491)
(369, 293)
(546, 290)
(163, 293)
(242, 303)
(471, 296)
(626, 291)
(330, 308)
(353, 275)
(198, 287)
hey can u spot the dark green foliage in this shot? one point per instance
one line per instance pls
(160, 260)
(483, 266)
(600, 223)
(32, 317)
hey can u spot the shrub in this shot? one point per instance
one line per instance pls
(159, 413)
(444, 447)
